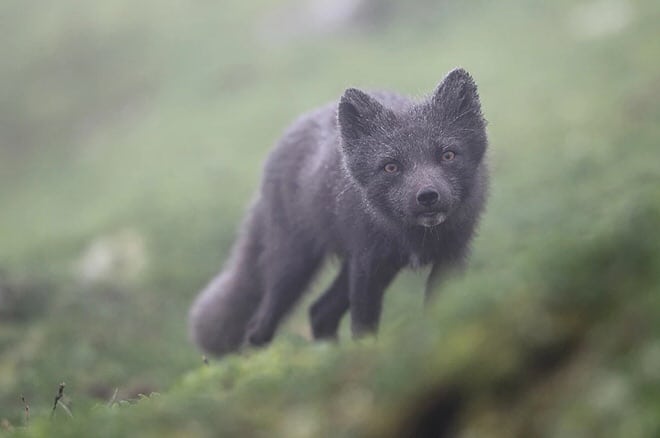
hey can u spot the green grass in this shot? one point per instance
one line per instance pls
(142, 129)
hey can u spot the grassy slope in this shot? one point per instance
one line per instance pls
(164, 137)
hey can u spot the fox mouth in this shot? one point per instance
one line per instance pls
(430, 218)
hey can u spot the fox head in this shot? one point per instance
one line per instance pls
(415, 164)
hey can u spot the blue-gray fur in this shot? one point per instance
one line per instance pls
(379, 180)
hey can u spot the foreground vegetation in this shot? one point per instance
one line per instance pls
(132, 139)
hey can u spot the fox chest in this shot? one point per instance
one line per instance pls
(415, 261)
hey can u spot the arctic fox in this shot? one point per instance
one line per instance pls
(380, 181)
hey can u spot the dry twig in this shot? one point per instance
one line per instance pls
(27, 410)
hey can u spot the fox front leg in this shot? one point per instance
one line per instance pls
(441, 271)
(327, 311)
(368, 279)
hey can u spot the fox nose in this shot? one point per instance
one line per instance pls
(426, 197)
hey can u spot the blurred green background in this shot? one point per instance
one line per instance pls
(132, 136)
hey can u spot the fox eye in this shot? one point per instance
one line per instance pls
(448, 156)
(391, 168)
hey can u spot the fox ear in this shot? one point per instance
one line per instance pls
(358, 114)
(456, 96)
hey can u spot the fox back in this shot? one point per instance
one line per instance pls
(381, 181)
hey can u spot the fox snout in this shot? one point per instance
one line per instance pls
(432, 206)
(427, 197)
(433, 197)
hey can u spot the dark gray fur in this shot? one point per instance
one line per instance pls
(325, 191)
